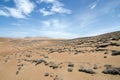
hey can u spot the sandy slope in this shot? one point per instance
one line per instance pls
(18, 58)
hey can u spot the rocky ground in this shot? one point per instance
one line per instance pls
(90, 58)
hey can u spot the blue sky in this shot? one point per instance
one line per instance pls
(58, 18)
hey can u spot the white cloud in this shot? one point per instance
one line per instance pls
(3, 13)
(23, 8)
(15, 13)
(57, 7)
(47, 1)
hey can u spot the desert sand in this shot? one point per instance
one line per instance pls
(89, 58)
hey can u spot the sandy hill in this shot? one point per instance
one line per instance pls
(89, 58)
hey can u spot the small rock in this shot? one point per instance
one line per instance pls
(106, 53)
(114, 52)
(114, 44)
(17, 72)
(46, 74)
(90, 71)
(70, 69)
(95, 66)
(70, 65)
(38, 61)
(53, 65)
(105, 56)
(57, 78)
(112, 70)
(107, 66)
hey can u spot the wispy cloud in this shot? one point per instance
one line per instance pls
(16, 24)
(90, 17)
(83, 20)
(57, 28)
(108, 7)
(87, 19)
(46, 23)
(57, 7)
(94, 4)
(23, 8)
(45, 12)
(54, 24)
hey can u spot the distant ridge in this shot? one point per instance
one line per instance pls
(37, 38)
(110, 35)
